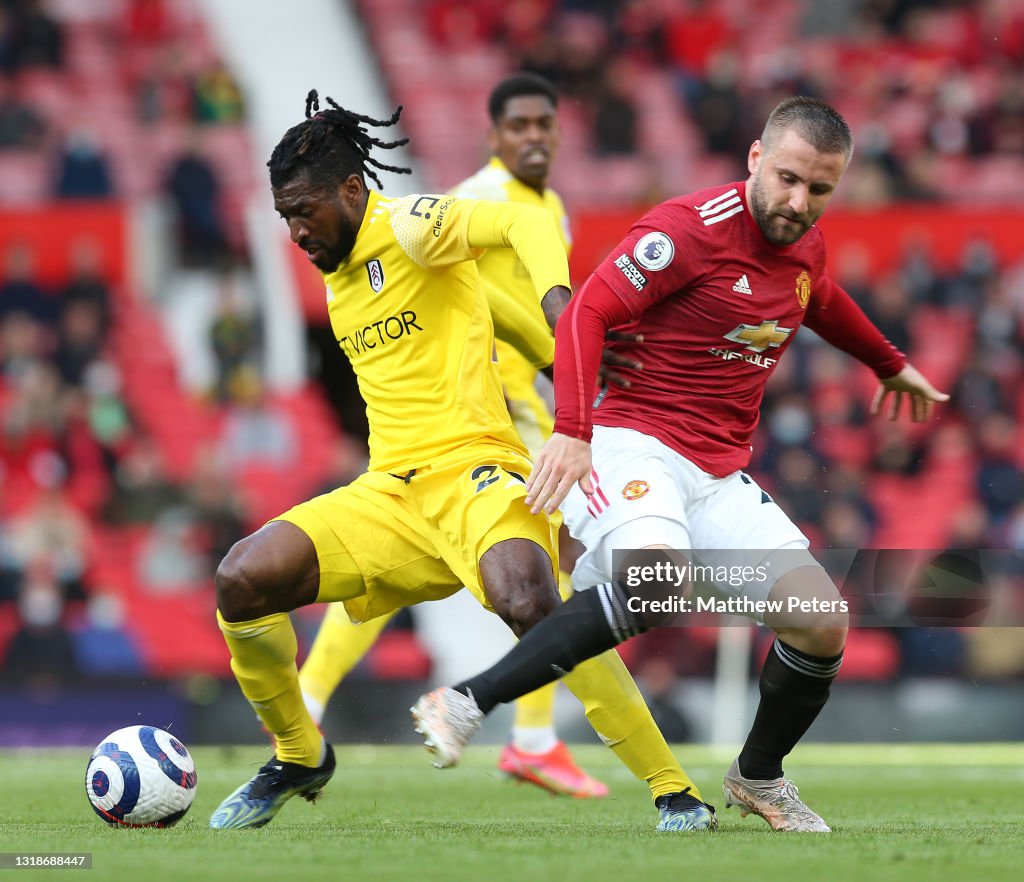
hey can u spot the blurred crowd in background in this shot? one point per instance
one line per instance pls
(119, 493)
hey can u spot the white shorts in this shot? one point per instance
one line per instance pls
(648, 494)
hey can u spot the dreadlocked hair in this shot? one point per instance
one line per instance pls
(329, 145)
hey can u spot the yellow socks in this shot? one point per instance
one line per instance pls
(263, 660)
(619, 715)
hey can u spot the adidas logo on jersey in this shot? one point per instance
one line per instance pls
(742, 286)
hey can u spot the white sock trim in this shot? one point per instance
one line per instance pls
(534, 739)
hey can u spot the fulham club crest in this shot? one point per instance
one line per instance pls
(376, 273)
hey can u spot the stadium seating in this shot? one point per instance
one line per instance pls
(125, 82)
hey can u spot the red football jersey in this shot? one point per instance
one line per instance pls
(717, 305)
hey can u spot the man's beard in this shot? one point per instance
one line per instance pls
(330, 259)
(763, 217)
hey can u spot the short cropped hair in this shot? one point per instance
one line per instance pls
(818, 123)
(517, 86)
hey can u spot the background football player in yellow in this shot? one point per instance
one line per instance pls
(523, 139)
(441, 506)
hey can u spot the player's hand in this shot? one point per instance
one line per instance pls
(909, 381)
(610, 360)
(561, 462)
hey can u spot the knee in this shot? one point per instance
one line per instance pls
(532, 599)
(240, 596)
(824, 637)
(827, 640)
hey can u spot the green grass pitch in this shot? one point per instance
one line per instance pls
(898, 812)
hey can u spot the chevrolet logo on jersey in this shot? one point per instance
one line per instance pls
(760, 337)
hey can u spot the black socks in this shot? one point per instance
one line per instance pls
(794, 688)
(587, 624)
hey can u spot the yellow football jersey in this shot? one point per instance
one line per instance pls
(408, 309)
(524, 340)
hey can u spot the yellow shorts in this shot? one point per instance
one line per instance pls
(384, 542)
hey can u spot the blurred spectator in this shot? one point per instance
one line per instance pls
(637, 30)
(40, 653)
(164, 88)
(978, 269)
(80, 340)
(21, 344)
(142, 490)
(696, 32)
(896, 452)
(148, 22)
(86, 282)
(255, 431)
(918, 273)
(107, 412)
(10, 574)
(854, 272)
(799, 476)
(790, 422)
(52, 537)
(970, 526)
(82, 171)
(615, 114)
(519, 22)
(997, 320)
(720, 111)
(195, 193)
(1000, 480)
(461, 23)
(889, 307)
(976, 392)
(102, 646)
(21, 128)
(576, 59)
(234, 334)
(88, 463)
(35, 39)
(20, 291)
(846, 525)
(37, 403)
(217, 97)
(171, 560)
(216, 507)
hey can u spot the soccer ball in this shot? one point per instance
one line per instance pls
(141, 776)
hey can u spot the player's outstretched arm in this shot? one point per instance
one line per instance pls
(531, 232)
(562, 461)
(908, 382)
